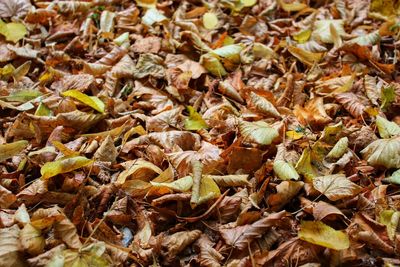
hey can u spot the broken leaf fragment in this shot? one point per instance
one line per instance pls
(91, 101)
(152, 16)
(9, 150)
(64, 165)
(321, 234)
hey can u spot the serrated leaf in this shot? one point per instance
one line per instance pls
(9, 150)
(383, 153)
(64, 165)
(195, 121)
(335, 187)
(259, 132)
(339, 149)
(285, 171)
(321, 234)
(387, 129)
(91, 101)
(210, 20)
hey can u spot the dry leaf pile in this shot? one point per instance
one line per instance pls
(199, 133)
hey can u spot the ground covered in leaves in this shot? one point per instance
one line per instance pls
(199, 133)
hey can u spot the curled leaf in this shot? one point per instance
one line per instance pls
(91, 101)
(63, 165)
(9, 150)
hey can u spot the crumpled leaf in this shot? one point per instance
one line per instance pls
(263, 105)
(7, 198)
(259, 132)
(383, 153)
(63, 165)
(208, 189)
(195, 121)
(66, 230)
(152, 16)
(14, 8)
(230, 180)
(106, 151)
(32, 239)
(387, 129)
(322, 29)
(239, 237)
(10, 247)
(149, 65)
(285, 171)
(141, 169)
(321, 234)
(9, 150)
(91, 101)
(197, 170)
(285, 192)
(336, 186)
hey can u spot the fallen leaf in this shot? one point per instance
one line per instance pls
(63, 165)
(321, 234)
(336, 186)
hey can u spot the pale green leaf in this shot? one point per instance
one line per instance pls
(91, 101)
(259, 132)
(63, 165)
(23, 95)
(13, 31)
(9, 150)
(339, 149)
(213, 65)
(388, 95)
(394, 178)
(195, 121)
(181, 185)
(387, 129)
(210, 20)
(321, 234)
(390, 218)
(383, 153)
(322, 29)
(208, 189)
(285, 171)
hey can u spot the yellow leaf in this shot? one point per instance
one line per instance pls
(63, 165)
(140, 168)
(294, 135)
(248, 3)
(9, 150)
(65, 150)
(339, 149)
(284, 170)
(390, 218)
(294, 6)
(147, 3)
(210, 20)
(91, 101)
(302, 36)
(181, 185)
(195, 121)
(208, 189)
(321, 234)
(304, 56)
(13, 31)
(387, 128)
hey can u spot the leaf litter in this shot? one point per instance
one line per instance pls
(199, 133)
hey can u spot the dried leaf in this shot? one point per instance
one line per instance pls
(336, 186)
(259, 132)
(9, 150)
(321, 234)
(90, 101)
(383, 152)
(63, 165)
